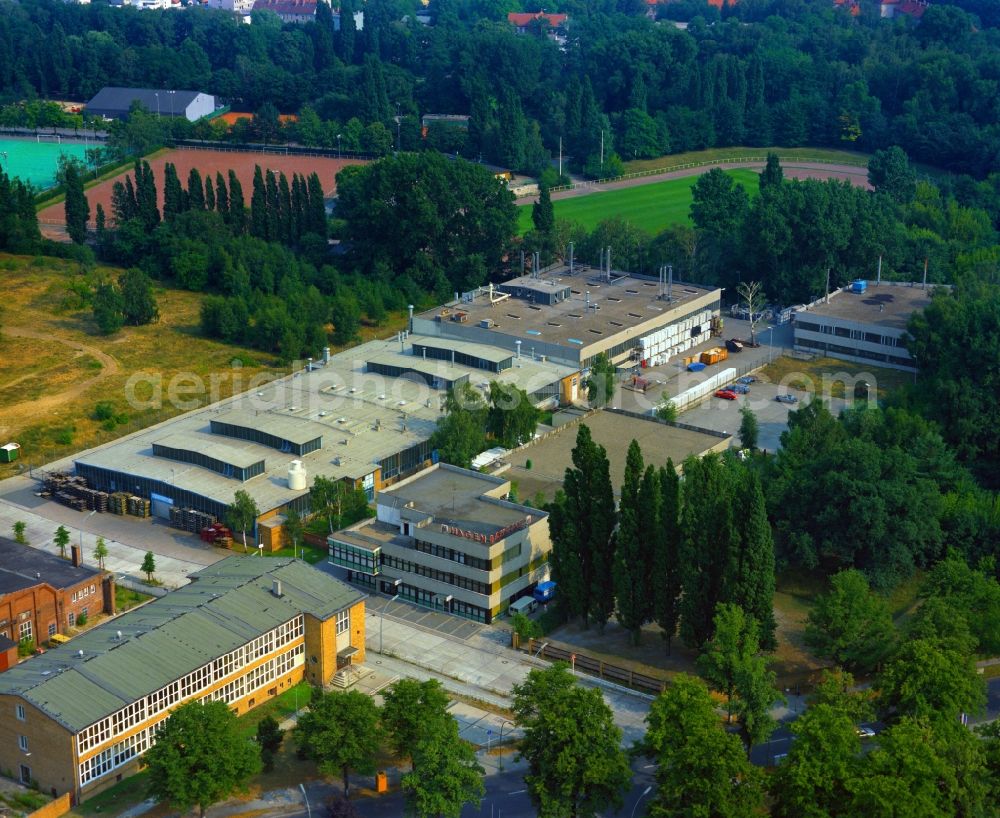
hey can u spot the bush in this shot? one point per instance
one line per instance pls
(26, 647)
(104, 410)
(81, 620)
(109, 425)
(527, 464)
(64, 436)
(526, 628)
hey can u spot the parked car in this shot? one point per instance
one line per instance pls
(726, 394)
(747, 379)
(786, 399)
(739, 388)
(865, 732)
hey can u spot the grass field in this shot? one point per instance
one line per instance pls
(36, 162)
(650, 207)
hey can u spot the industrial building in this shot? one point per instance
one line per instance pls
(364, 416)
(572, 313)
(863, 322)
(78, 718)
(448, 539)
(42, 594)
(116, 103)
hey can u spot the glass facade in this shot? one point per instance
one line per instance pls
(367, 560)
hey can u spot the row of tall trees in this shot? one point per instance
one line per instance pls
(671, 552)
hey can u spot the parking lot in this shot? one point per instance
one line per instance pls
(772, 417)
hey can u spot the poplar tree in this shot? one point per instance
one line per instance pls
(706, 545)
(147, 208)
(581, 521)
(221, 196)
(209, 194)
(317, 207)
(298, 209)
(195, 191)
(348, 32)
(173, 193)
(237, 205)
(752, 583)
(666, 573)
(285, 210)
(273, 207)
(258, 205)
(77, 206)
(631, 566)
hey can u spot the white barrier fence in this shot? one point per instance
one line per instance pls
(691, 396)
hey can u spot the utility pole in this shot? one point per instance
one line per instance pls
(602, 147)
(560, 157)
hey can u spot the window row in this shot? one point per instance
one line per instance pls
(107, 760)
(189, 685)
(258, 677)
(84, 592)
(440, 576)
(451, 554)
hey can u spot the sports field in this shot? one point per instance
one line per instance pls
(651, 207)
(37, 162)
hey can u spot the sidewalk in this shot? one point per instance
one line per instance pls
(481, 669)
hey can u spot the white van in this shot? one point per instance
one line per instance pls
(525, 605)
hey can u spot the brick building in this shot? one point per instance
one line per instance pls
(42, 594)
(78, 718)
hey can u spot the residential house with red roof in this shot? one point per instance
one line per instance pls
(525, 22)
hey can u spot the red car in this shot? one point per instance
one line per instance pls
(726, 394)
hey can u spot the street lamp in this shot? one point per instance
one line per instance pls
(338, 146)
(92, 513)
(381, 614)
(500, 740)
(157, 95)
(645, 792)
(770, 343)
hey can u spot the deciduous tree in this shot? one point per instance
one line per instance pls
(61, 539)
(340, 732)
(576, 764)
(410, 710)
(242, 514)
(445, 775)
(200, 757)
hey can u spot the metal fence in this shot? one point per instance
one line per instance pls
(596, 667)
(735, 160)
(273, 150)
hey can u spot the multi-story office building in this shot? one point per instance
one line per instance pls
(449, 539)
(863, 322)
(78, 718)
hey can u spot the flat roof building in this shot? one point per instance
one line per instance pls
(863, 322)
(570, 314)
(364, 416)
(242, 631)
(449, 539)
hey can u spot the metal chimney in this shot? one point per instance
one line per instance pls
(276, 587)
(670, 282)
(326, 355)
(518, 345)
(571, 258)
(609, 264)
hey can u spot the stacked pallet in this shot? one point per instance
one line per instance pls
(73, 491)
(70, 500)
(190, 519)
(118, 502)
(138, 506)
(215, 532)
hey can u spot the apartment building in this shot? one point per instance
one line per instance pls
(78, 718)
(449, 539)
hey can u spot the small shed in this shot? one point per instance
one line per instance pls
(10, 452)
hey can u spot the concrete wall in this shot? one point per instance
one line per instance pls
(691, 396)
(55, 807)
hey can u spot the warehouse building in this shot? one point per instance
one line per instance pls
(863, 322)
(572, 313)
(78, 718)
(42, 594)
(364, 416)
(116, 103)
(448, 539)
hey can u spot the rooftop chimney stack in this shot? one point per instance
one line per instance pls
(276, 587)
(77, 557)
(411, 316)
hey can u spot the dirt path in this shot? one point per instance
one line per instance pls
(19, 414)
(793, 169)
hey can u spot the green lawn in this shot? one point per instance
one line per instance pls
(651, 207)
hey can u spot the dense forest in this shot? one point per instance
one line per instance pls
(766, 72)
